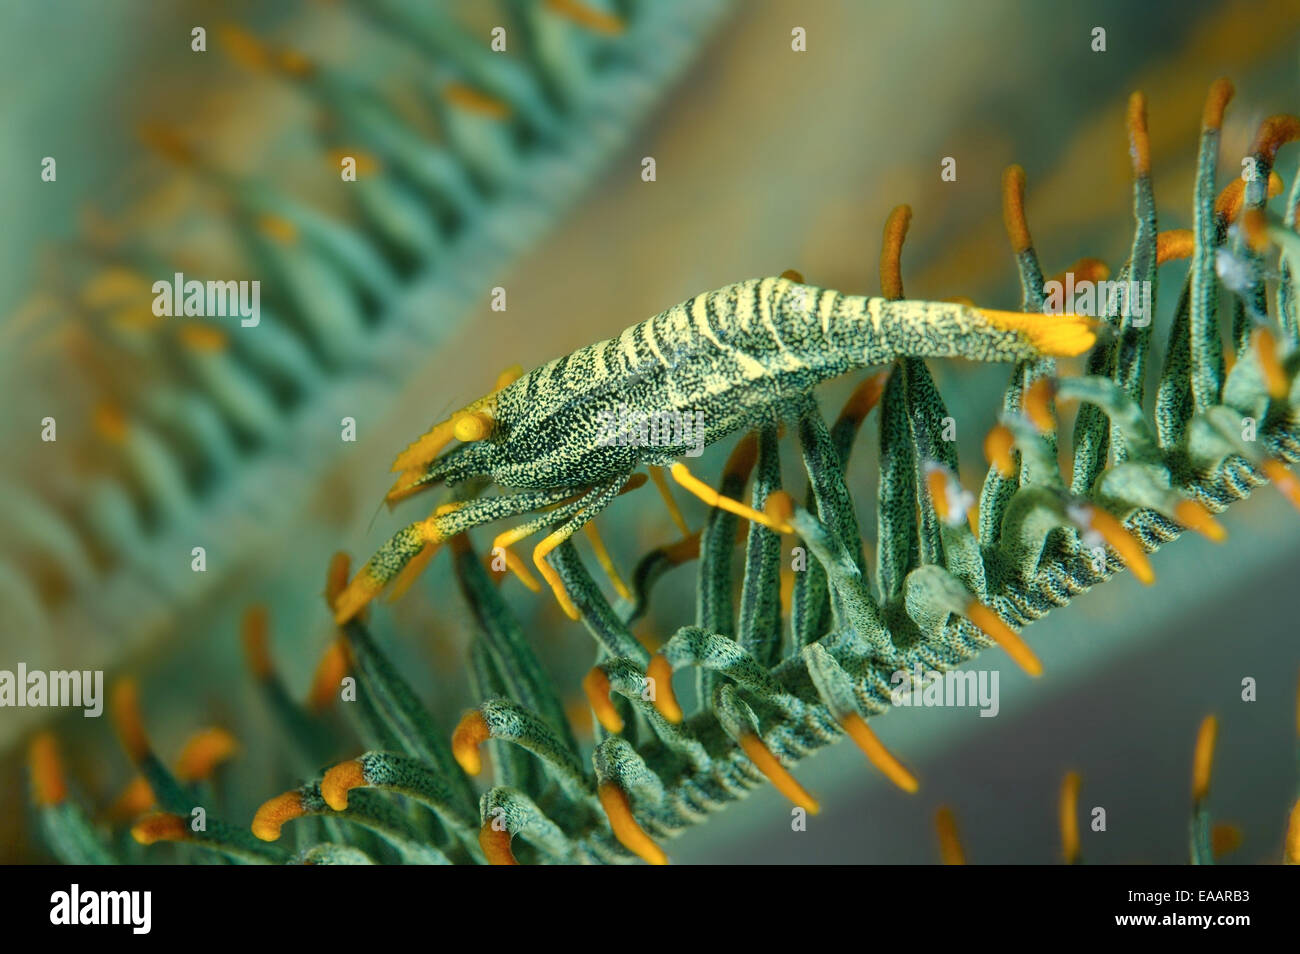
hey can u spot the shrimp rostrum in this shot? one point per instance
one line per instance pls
(744, 356)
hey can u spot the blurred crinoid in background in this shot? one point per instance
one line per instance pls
(181, 460)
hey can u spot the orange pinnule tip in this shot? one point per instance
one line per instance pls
(356, 595)
(294, 63)
(793, 275)
(998, 445)
(114, 284)
(992, 624)
(1086, 269)
(1227, 205)
(1291, 854)
(203, 340)
(1174, 244)
(110, 422)
(857, 729)
(864, 397)
(786, 590)
(1269, 364)
(776, 773)
(1091, 269)
(1216, 102)
(330, 672)
(587, 16)
(340, 780)
(1037, 402)
(472, 732)
(1274, 133)
(126, 717)
(1138, 137)
(1225, 839)
(254, 631)
(741, 460)
(1193, 515)
(1069, 817)
(336, 577)
(596, 687)
(891, 269)
(1125, 544)
(278, 228)
(1203, 758)
(665, 700)
(1013, 209)
(274, 813)
(475, 101)
(936, 482)
(1283, 480)
(244, 48)
(629, 834)
(167, 142)
(203, 752)
(163, 826)
(495, 843)
(49, 786)
(136, 799)
(950, 849)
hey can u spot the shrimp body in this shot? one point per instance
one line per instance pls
(726, 360)
(722, 362)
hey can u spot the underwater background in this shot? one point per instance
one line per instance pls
(766, 160)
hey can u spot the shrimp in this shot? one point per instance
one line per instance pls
(745, 354)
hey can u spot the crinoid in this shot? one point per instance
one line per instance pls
(946, 583)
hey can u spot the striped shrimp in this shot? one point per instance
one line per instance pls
(746, 354)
